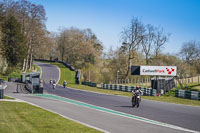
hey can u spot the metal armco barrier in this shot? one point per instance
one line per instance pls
(195, 95)
(146, 91)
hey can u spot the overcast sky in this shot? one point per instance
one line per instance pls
(107, 18)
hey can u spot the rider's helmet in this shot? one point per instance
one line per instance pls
(137, 87)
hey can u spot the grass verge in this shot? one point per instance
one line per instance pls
(168, 97)
(190, 86)
(6, 97)
(15, 74)
(25, 118)
(37, 67)
(66, 74)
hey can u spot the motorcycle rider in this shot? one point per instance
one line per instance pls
(64, 84)
(50, 81)
(54, 84)
(137, 92)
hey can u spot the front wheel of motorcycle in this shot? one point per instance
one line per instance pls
(133, 104)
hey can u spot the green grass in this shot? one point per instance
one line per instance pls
(37, 67)
(168, 97)
(24, 118)
(15, 74)
(66, 74)
(6, 97)
(190, 86)
(172, 99)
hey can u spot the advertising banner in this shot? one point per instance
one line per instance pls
(158, 70)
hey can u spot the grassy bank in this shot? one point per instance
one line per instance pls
(190, 86)
(168, 97)
(66, 74)
(15, 74)
(25, 118)
(36, 67)
(6, 97)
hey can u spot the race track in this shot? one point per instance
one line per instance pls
(180, 116)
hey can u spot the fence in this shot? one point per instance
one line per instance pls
(143, 81)
(188, 80)
(146, 91)
(195, 95)
(147, 81)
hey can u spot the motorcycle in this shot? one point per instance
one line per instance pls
(64, 84)
(54, 85)
(136, 99)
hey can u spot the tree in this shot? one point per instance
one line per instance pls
(160, 39)
(148, 41)
(190, 51)
(131, 39)
(31, 17)
(78, 47)
(13, 42)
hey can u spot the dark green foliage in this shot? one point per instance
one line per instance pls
(13, 42)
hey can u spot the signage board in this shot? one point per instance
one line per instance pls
(154, 70)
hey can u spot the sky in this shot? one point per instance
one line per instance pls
(108, 18)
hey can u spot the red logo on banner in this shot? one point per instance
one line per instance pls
(170, 70)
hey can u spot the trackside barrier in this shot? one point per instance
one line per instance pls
(195, 95)
(146, 91)
(89, 84)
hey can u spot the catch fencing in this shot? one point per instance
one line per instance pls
(146, 91)
(195, 95)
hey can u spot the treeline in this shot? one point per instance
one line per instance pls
(143, 44)
(23, 37)
(22, 32)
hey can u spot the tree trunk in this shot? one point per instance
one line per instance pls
(31, 59)
(24, 63)
(28, 56)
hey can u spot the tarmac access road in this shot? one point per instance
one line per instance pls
(112, 113)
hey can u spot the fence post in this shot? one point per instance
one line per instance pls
(198, 78)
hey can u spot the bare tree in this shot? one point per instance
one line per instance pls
(131, 38)
(160, 39)
(148, 41)
(190, 51)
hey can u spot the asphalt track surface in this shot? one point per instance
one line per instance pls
(187, 117)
